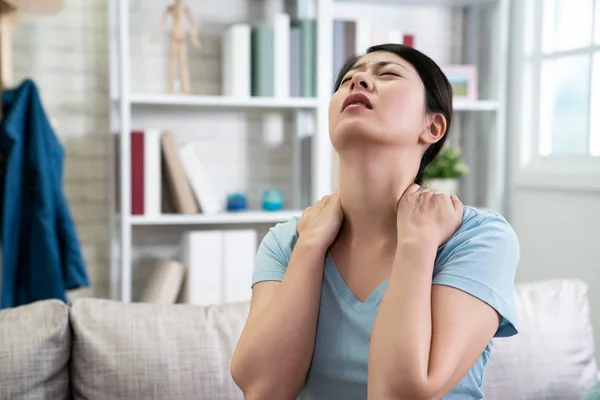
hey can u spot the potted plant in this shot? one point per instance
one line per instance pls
(444, 172)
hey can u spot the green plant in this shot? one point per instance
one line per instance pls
(448, 164)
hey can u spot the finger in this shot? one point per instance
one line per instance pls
(412, 189)
(458, 205)
(427, 196)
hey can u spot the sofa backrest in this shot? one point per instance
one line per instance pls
(553, 356)
(35, 346)
(160, 351)
(154, 351)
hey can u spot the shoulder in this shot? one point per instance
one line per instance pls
(275, 251)
(480, 225)
(281, 239)
(481, 258)
(285, 233)
(484, 232)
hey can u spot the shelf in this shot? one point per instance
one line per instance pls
(475, 105)
(442, 3)
(242, 217)
(208, 101)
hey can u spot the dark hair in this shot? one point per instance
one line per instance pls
(438, 91)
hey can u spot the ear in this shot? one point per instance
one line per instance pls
(435, 129)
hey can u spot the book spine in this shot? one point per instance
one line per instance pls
(137, 173)
(176, 181)
(239, 250)
(237, 61)
(152, 173)
(262, 61)
(196, 175)
(339, 47)
(201, 255)
(281, 52)
(295, 62)
(308, 30)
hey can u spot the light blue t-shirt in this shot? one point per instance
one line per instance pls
(480, 258)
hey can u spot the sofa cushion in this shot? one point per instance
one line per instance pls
(35, 345)
(552, 357)
(154, 351)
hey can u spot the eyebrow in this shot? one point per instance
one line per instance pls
(380, 64)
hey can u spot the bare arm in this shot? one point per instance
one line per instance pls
(161, 26)
(275, 349)
(193, 29)
(425, 339)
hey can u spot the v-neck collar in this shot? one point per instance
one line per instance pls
(339, 285)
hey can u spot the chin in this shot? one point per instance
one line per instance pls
(355, 131)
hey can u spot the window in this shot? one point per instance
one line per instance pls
(561, 83)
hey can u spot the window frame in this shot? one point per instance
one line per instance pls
(530, 168)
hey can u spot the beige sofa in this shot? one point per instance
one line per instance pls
(98, 349)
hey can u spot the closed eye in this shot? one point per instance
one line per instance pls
(391, 73)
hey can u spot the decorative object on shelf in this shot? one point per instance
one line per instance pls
(237, 202)
(463, 79)
(444, 172)
(177, 47)
(272, 200)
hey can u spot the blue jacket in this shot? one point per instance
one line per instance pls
(41, 255)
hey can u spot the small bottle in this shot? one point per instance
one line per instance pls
(272, 200)
(237, 202)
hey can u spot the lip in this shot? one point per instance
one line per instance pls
(357, 98)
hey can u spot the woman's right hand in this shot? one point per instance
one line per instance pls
(320, 223)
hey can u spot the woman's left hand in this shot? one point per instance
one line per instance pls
(427, 215)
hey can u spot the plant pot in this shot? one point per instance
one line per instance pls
(448, 186)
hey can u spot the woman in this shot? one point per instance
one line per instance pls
(384, 290)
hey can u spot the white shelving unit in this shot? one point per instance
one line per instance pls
(265, 103)
(125, 103)
(249, 217)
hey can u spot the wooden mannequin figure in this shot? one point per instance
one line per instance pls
(177, 48)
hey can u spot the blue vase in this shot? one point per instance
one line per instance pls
(272, 200)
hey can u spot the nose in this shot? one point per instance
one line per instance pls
(361, 79)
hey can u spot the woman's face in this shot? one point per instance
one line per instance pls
(380, 100)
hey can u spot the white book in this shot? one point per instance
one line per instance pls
(152, 172)
(395, 36)
(363, 38)
(239, 251)
(165, 282)
(199, 180)
(383, 36)
(281, 49)
(201, 255)
(236, 65)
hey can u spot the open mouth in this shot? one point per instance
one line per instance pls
(357, 100)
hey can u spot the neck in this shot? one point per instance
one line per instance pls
(371, 183)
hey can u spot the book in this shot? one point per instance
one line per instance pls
(262, 60)
(219, 265)
(199, 181)
(165, 282)
(236, 65)
(281, 53)
(152, 172)
(180, 190)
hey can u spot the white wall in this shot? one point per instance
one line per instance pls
(67, 56)
(558, 227)
(559, 232)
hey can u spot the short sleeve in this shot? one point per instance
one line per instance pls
(481, 259)
(274, 252)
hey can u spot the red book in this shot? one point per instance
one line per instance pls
(137, 173)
